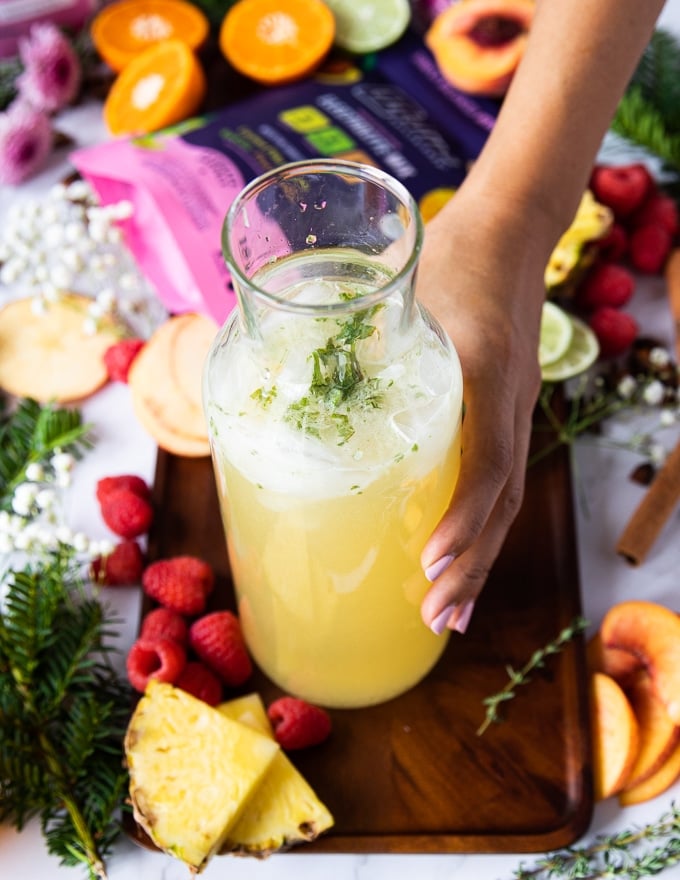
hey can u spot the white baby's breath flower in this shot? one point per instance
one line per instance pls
(659, 357)
(654, 393)
(90, 326)
(64, 534)
(62, 462)
(106, 299)
(6, 543)
(102, 547)
(35, 472)
(657, 454)
(80, 542)
(46, 499)
(667, 418)
(626, 387)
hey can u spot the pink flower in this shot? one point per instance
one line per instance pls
(51, 75)
(25, 142)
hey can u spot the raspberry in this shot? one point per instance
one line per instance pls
(298, 724)
(615, 330)
(623, 188)
(649, 247)
(659, 209)
(123, 481)
(614, 245)
(125, 513)
(118, 358)
(161, 659)
(122, 567)
(199, 681)
(182, 583)
(218, 641)
(164, 623)
(607, 284)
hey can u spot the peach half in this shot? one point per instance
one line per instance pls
(477, 44)
(651, 632)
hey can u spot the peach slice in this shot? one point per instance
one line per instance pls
(478, 45)
(615, 735)
(666, 775)
(620, 665)
(651, 632)
(659, 736)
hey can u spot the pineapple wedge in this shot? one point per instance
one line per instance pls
(284, 810)
(192, 770)
(574, 252)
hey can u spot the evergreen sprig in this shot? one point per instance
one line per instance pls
(649, 112)
(30, 434)
(631, 854)
(63, 713)
(518, 677)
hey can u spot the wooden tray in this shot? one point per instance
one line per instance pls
(412, 775)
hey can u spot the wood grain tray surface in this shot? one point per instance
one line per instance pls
(412, 775)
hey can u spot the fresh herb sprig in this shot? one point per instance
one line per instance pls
(63, 713)
(338, 381)
(518, 677)
(631, 854)
(30, 434)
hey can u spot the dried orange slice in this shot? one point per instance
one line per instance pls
(162, 86)
(276, 41)
(123, 30)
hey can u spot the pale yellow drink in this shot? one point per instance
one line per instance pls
(327, 509)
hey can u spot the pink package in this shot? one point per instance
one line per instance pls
(178, 212)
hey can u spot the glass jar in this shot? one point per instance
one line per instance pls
(334, 405)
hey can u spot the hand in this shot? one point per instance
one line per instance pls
(481, 274)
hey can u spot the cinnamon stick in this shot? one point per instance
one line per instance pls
(672, 276)
(653, 511)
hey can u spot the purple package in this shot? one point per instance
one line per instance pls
(182, 181)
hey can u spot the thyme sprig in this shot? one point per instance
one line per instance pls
(63, 712)
(519, 677)
(631, 854)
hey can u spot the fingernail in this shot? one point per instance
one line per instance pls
(433, 571)
(465, 614)
(438, 625)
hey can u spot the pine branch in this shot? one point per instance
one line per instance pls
(63, 713)
(31, 434)
(640, 122)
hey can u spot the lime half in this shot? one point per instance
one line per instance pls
(582, 353)
(363, 26)
(556, 333)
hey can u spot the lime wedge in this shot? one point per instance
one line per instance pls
(556, 332)
(363, 26)
(581, 354)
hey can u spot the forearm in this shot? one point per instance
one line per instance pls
(578, 61)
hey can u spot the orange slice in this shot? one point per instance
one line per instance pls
(276, 41)
(123, 30)
(162, 86)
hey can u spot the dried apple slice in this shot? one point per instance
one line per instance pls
(50, 356)
(615, 735)
(165, 384)
(659, 736)
(651, 632)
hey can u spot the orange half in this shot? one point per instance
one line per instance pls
(277, 41)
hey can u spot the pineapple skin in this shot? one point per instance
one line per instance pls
(284, 810)
(192, 771)
(576, 249)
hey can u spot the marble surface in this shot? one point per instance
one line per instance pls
(605, 499)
